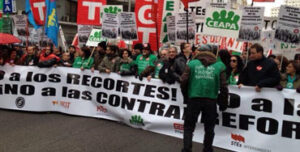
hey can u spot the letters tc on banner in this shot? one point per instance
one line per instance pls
(89, 12)
(38, 8)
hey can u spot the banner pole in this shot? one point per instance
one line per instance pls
(91, 56)
(187, 25)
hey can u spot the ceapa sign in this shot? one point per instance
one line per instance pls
(222, 22)
(89, 12)
(95, 38)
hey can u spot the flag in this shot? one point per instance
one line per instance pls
(75, 41)
(263, 0)
(154, 10)
(51, 24)
(186, 3)
(29, 13)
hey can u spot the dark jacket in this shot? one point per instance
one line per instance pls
(284, 80)
(179, 65)
(206, 58)
(167, 72)
(263, 73)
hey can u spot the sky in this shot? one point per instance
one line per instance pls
(267, 6)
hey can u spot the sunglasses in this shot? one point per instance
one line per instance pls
(233, 61)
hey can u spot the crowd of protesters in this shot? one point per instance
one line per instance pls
(167, 64)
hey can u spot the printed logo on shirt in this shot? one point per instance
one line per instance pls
(259, 68)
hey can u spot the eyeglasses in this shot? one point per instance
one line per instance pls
(234, 61)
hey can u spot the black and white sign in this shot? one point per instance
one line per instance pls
(128, 27)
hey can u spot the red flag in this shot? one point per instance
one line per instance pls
(89, 12)
(38, 8)
(263, 0)
(186, 2)
(75, 41)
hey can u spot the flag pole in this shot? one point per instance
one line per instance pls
(187, 24)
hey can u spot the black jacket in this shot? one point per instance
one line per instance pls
(167, 74)
(179, 65)
(263, 73)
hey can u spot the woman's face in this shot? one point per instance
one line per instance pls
(290, 69)
(233, 62)
(125, 55)
(81, 53)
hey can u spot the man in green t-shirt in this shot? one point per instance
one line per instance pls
(202, 80)
(145, 62)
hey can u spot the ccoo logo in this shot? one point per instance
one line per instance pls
(20, 102)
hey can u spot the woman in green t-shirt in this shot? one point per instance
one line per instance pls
(84, 60)
(236, 67)
(126, 63)
(291, 79)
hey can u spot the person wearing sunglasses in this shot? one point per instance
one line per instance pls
(236, 67)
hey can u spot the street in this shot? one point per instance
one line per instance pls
(56, 132)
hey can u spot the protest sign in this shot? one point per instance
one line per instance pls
(128, 27)
(181, 27)
(83, 33)
(171, 29)
(251, 24)
(95, 37)
(38, 8)
(110, 26)
(271, 116)
(225, 42)
(89, 12)
(288, 25)
(170, 7)
(20, 24)
(146, 23)
(7, 6)
(222, 22)
(199, 8)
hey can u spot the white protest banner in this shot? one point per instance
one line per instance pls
(222, 22)
(266, 121)
(251, 24)
(20, 24)
(128, 28)
(270, 23)
(63, 39)
(83, 33)
(170, 7)
(36, 36)
(110, 26)
(171, 29)
(199, 8)
(288, 25)
(229, 43)
(181, 27)
(95, 37)
(220, 5)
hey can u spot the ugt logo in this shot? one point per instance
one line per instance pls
(224, 20)
(137, 120)
(237, 139)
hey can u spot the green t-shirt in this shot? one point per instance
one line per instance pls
(157, 69)
(85, 63)
(290, 82)
(233, 79)
(142, 62)
(204, 82)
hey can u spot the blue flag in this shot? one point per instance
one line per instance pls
(51, 25)
(28, 11)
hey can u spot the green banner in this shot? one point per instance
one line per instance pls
(6, 25)
(1, 5)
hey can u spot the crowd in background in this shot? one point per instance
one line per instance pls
(250, 68)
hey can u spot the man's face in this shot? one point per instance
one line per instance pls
(187, 48)
(164, 54)
(172, 53)
(254, 55)
(48, 50)
(136, 51)
(100, 49)
(30, 51)
(108, 51)
(72, 50)
(66, 56)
